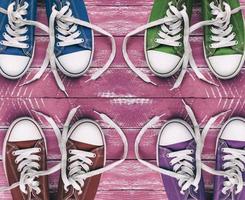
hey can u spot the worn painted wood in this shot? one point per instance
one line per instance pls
(125, 98)
(127, 113)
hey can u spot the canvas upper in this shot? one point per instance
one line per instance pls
(230, 155)
(175, 137)
(165, 59)
(24, 152)
(74, 59)
(15, 61)
(226, 60)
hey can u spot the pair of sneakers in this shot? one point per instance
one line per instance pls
(83, 158)
(71, 36)
(178, 151)
(167, 39)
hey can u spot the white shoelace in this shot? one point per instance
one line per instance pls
(169, 36)
(64, 20)
(15, 35)
(28, 167)
(183, 171)
(234, 166)
(80, 171)
(222, 30)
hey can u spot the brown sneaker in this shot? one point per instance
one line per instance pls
(85, 152)
(83, 155)
(24, 154)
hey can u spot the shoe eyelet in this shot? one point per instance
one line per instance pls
(82, 40)
(94, 155)
(27, 46)
(70, 152)
(210, 46)
(39, 149)
(16, 162)
(91, 163)
(27, 37)
(58, 44)
(180, 44)
(39, 158)
(155, 40)
(236, 42)
(69, 160)
(167, 155)
(13, 153)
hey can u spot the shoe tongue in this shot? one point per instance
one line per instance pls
(235, 144)
(25, 144)
(179, 146)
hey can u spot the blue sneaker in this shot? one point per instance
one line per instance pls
(17, 42)
(73, 46)
(71, 43)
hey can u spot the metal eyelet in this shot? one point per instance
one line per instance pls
(39, 149)
(210, 46)
(82, 40)
(39, 158)
(27, 46)
(168, 156)
(58, 44)
(13, 153)
(70, 152)
(27, 37)
(180, 44)
(91, 163)
(236, 42)
(94, 155)
(16, 162)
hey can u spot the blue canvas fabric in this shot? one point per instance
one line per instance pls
(31, 15)
(79, 11)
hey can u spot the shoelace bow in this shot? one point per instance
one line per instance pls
(171, 37)
(183, 169)
(69, 35)
(79, 171)
(15, 35)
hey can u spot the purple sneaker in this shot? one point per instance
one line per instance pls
(176, 151)
(179, 149)
(230, 159)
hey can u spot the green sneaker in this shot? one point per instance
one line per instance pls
(164, 44)
(167, 45)
(224, 45)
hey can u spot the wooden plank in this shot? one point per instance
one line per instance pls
(127, 113)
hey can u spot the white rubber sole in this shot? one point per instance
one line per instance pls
(22, 73)
(160, 134)
(224, 126)
(74, 126)
(165, 75)
(72, 75)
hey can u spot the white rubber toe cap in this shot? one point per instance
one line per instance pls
(163, 64)
(13, 66)
(234, 130)
(75, 64)
(24, 129)
(226, 66)
(87, 132)
(175, 131)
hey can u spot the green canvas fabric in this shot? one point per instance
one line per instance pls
(159, 10)
(238, 28)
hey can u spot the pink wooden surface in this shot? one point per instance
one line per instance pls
(124, 97)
